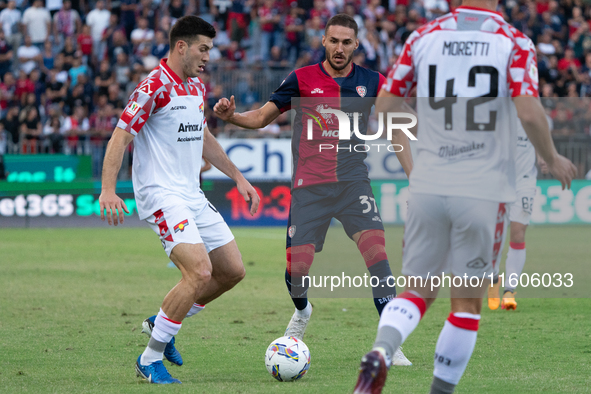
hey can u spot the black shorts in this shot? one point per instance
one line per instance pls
(312, 208)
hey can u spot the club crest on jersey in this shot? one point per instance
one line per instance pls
(181, 226)
(291, 231)
(361, 91)
(132, 108)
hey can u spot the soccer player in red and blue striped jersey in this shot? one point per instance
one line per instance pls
(332, 182)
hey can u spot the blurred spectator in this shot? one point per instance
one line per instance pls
(122, 69)
(57, 90)
(269, 19)
(114, 97)
(37, 22)
(10, 17)
(77, 69)
(28, 56)
(52, 133)
(23, 87)
(435, 8)
(118, 45)
(142, 34)
(75, 129)
(66, 22)
(11, 124)
(85, 43)
(48, 57)
(31, 131)
(294, 29)
(6, 55)
(69, 53)
(104, 78)
(161, 48)
(98, 20)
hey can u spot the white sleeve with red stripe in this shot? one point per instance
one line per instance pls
(149, 95)
(523, 67)
(401, 78)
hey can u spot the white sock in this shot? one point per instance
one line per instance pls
(403, 313)
(150, 356)
(306, 312)
(163, 331)
(455, 346)
(514, 264)
(195, 309)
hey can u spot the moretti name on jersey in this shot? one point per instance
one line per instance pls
(465, 48)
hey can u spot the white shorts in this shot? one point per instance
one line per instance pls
(182, 224)
(458, 235)
(520, 210)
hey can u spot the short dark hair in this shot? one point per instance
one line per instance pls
(188, 28)
(342, 20)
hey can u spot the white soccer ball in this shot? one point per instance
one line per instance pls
(287, 359)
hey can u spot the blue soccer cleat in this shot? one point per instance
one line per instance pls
(154, 373)
(170, 352)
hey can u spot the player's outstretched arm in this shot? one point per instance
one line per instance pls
(215, 154)
(224, 109)
(533, 118)
(388, 102)
(108, 199)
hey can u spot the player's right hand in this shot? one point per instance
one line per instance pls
(114, 206)
(563, 170)
(224, 108)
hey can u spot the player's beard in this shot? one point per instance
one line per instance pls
(339, 68)
(189, 68)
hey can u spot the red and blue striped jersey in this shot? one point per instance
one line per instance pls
(315, 89)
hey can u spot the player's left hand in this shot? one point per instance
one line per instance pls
(543, 165)
(249, 194)
(563, 170)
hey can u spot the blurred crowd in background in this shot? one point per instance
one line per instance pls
(68, 66)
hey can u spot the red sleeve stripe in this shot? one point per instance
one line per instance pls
(415, 299)
(463, 322)
(517, 245)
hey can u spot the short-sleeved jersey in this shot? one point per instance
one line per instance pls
(317, 89)
(166, 117)
(466, 143)
(525, 158)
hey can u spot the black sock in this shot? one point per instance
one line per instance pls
(383, 292)
(297, 291)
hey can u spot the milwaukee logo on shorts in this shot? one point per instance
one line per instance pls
(181, 226)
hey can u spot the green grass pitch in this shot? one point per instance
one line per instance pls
(72, 302)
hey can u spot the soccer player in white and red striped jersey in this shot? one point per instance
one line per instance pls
(165, 119)
(464, 173)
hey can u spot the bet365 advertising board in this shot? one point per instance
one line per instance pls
(74, 204)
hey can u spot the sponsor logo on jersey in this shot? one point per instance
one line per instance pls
(317, 91)
(178, 107)
(132, 108)
(292, 230)
(361, 91)
(190, 127)
(181, 226)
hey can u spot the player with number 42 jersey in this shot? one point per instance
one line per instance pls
(474, 74)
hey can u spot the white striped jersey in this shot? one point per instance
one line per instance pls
(166, 116)
(465, 67)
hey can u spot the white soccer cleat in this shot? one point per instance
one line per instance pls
(399, 359)
(297, 325)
